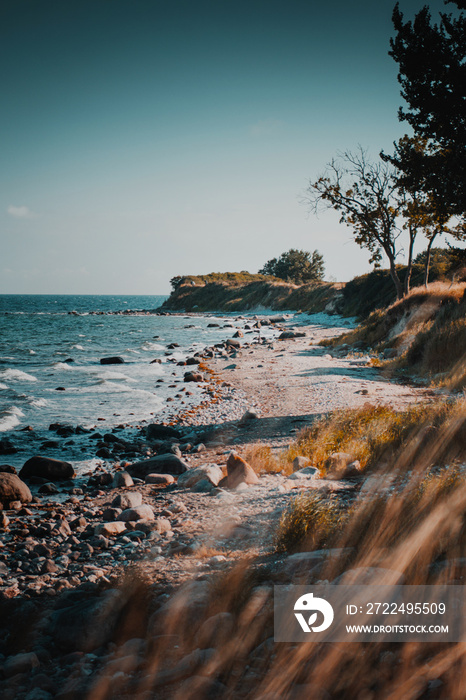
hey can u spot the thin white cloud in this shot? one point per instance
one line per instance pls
(20, 212)
(265, 127)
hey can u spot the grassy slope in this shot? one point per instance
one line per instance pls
(243, 291)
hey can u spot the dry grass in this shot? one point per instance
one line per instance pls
(264, 460)
(216, 638)
(374, 434)
(428, 330)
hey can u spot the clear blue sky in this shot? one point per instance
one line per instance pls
(141, 139)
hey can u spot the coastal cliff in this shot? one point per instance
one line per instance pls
(246, 292)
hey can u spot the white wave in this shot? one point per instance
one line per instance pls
(3, 386)
(148, 346)
(77, 347)
(32, 352)
(62, 365)
(38, 403)
(16, 374)
(9, 418)
(114, 375)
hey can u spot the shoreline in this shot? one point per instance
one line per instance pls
(58, 551)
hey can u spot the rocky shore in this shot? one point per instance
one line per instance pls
(88, 565)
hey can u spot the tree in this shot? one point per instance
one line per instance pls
(421, 209)
(432, 74)
(366, 196)
(175, 282)
(298, 266)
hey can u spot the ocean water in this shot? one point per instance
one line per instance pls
(50, 350)
(50, 371)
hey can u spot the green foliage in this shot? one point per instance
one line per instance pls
(365, 195)
(297, 266)
(432, 74)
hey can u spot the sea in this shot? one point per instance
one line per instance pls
(50, 370)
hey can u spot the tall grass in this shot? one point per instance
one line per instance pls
(215, 640)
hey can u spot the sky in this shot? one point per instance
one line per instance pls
(143, 139)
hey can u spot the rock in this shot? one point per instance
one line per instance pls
(47, 468)
(7, 447)
(122, 479)
(110, 529)
(127, 500)
(161, 525)
(300, 462)
(111, 514)
(112, 361)
(88, 624)
(306, 473)
(337, 463)
(215, 631)
(211, 472)
(7, 468)
(161, 464)
(233, 343)
(159, 479)
(248, 415)
(238, 334)
(143, 512)
(20, 663)
(4, 522)
(13, 489)
(239, 471)
(193, 377)
(157, 431)
(48, 488)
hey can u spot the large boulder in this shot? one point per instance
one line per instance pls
(211, 472)
(157, 431)
(112, 361)
(13, 489)
(143, 512)
(239, 472)
(161, 464)
(342, 465)
(127, 500)
(47, 468)
(88, 624)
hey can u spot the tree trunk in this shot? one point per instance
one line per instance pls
(396, 279)
(427, 265)
(412, 236)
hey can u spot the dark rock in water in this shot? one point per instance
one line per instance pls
(62, 429)
(156, 362)
(239, 334)
(7, 447)
(156, 431)
(233, 342)
(193, 360)
(161, 464)
(193, 377)
(68, 359)
(7, 468)
(50, 443)
(60, 388)
(103, 452)
(48, 488)
(48, 468)
(112, 361)
(13, 489)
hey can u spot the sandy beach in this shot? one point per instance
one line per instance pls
(190, 533)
